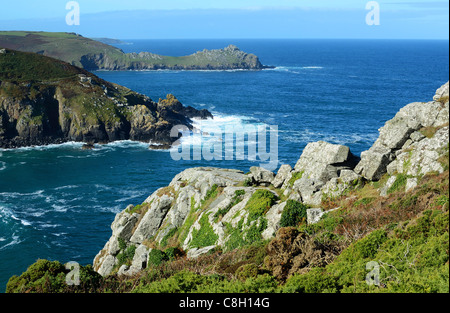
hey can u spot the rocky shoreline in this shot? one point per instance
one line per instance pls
(320, 226)
(204, 209)
(80, 107)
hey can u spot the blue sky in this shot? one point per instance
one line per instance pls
(141, 19)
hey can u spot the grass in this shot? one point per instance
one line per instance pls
(205, 236)
(22, 66)
(399, 183)
(295, 176)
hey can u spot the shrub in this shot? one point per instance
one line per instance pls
(293, 214)
(260, 202)
(42, 276)
(173, 253)
(157, 257)
(246, 271)
(50, 277)
(315, 281)
(366, 247)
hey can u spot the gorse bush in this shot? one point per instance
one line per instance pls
(156, 257)
(50, 277)
(412, 258)
(293, 214)
(189, 282)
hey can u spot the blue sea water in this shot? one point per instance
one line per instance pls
(58, 202)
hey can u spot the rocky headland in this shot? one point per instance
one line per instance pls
(95, 55)
(313, 227)
(47, 101)
(204, 209)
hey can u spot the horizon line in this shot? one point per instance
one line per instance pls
(228, 38)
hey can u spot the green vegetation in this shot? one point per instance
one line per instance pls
(169, 235)
(295, 176)
(50, 277)
(188, 282)
(259, 203)
(157, 257)
(205, 236)
(411, 259)
(249, 230)
(126, 257)
(20, 66)
(237, 198)
(293, 214)
(399, 183)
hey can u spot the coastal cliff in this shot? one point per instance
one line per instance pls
(45, 101)
(208, 208)
(313, 227)
(94, 55)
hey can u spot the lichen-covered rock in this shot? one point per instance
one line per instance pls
(261, 176)
(422, 157)
(282, 175)
(442, 93)
(273, 217)
(152, 220)
(314, 215)
(322, 161)
(400, 132)
(309, 190)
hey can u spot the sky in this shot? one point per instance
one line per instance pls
(183, 19)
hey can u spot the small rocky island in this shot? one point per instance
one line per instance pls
(95, 55)
(47, 101)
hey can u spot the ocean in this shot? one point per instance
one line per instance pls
(58, 202)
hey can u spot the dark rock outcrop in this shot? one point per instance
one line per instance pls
(81, 107)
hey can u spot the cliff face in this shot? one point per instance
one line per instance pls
(52, 102)
(94, 55)
(205, 209)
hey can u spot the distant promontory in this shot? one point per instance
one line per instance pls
(96, 55)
